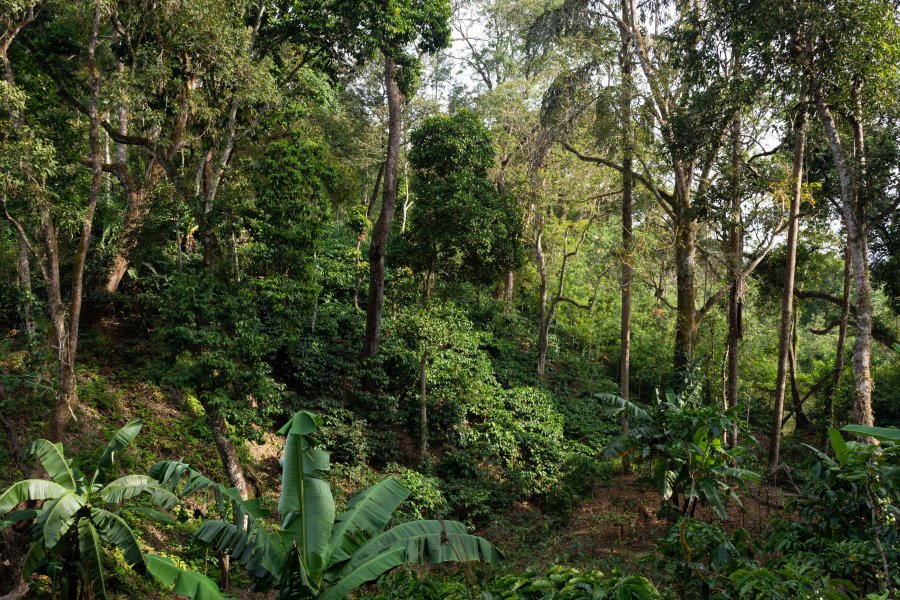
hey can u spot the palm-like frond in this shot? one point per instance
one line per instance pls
(306, 497)
(120, 441)
(634, 412)
(186, 583)
(53, 458)
(91, 555)
(366, 515)
(259, 551)
(185, 481)
(30, 489)
(129, 486)
(620, 445)
(55, 517)
(116, 532)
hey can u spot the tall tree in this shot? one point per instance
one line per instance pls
(790, 272)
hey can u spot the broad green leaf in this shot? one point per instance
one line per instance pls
(306, 499)
(882, 434)
(838, 443)
(19, 515)
(634, 411)
(91, 555)
(173, 474)
(56, 517)
(714, 497)
(29, 489)
(186, 583)
(119, 441)
(54, 460)
(428, 541)
(116, 532)
(36, 554)
(366, 515)
(368, 570)
(259, 551)
(129, 486)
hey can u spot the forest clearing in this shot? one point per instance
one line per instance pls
(450, 299)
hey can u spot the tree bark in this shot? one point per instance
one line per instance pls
(736, 280)
(841, 341)
(23, 273)
(853, 210)
(67, 337)
(787, 298)
(423, 409)
(625, 65)
(685, 261)
(382, 228)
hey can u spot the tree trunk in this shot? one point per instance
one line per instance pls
(382, 227)
(625, 64)
(841, 341)
(852, 207)
(735, 273)
(235, 474)
(787, 298)
(685, 250)
(800, 418)
(544, 330)
(23, 273)
(68, 337)
(423, 409)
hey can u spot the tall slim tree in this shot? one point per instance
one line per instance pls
(790, 271)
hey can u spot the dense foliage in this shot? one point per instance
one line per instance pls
(612, 285)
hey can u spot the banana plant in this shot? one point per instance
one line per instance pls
(682, 438)
(81, 515)
(315, 553)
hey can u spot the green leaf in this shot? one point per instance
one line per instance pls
(714, 497)
(91, 555)
(129, 486)
(19, 515)
(432, 541)
(368, 570)
(306, 499)
(30, 489)
(634, 411)
(838, 443)
(366, 515)
(35, 557)
(116, 532)
(882, 434)
(259, 551)
(53, 458)
(119, 441)
(56, 517)
(186, 583)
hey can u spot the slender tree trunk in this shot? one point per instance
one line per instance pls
(625, 64)
(509, 281)
(852, 207)
(787, 298)
(544, 330)
(362, 234)
(235, 474)
(841, 341)
(23, 272)
(67, 397)
(685, 259)
(800, 419)
(382, 227)
(423, 409)
(735, 272)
